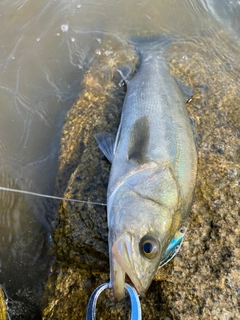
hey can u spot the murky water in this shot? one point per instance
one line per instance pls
(46, 47)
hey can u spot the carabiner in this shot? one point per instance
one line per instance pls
(136, 312)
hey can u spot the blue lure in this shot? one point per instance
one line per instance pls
(173, 246)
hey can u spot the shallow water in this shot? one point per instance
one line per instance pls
(46, 47)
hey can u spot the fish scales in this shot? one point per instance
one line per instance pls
(154, 93)
(153, 173)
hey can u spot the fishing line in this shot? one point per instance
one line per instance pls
(59, 198)
(50, 197)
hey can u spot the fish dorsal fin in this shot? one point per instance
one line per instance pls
(106, 142)
(117, 137)
(139, 140)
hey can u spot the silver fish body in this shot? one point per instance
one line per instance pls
(153, 173)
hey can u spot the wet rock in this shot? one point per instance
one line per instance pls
(3, 307)
(203, 280)
(83, 171)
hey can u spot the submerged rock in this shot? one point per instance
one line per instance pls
(203, 280)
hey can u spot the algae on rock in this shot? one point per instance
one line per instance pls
(3, 307)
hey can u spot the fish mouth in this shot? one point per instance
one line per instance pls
(122, 264)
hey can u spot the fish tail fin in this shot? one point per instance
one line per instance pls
(143, 46)
(154, 43)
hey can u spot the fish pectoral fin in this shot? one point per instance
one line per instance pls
(194, 130)
(173, 247)
(106, 142)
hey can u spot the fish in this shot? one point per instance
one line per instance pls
(153, 171)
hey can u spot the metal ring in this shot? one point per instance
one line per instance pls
(136, 312)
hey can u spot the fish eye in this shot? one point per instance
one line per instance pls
(149, 246)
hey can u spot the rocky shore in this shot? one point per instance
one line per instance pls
(203, 280)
